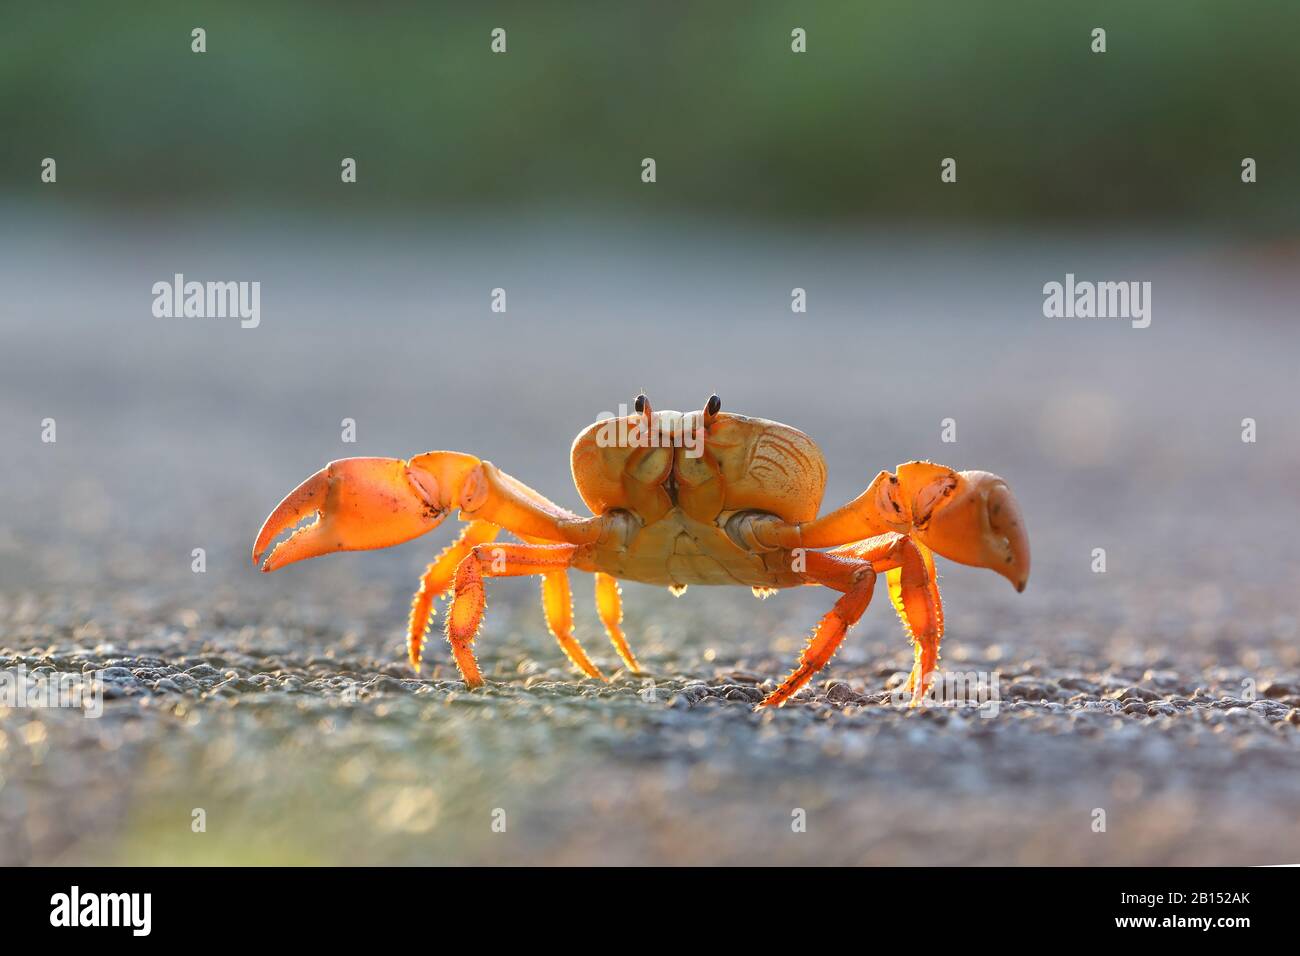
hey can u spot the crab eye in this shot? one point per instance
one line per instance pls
(641, 403)
(711, 409)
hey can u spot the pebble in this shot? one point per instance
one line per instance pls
(840, 692)
(387, 685)
(1134, 693)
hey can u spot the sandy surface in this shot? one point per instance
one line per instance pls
(1163, 692)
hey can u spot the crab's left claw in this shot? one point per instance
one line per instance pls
(362, 503)
(970, 517)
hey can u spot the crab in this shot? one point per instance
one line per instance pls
(702, 497)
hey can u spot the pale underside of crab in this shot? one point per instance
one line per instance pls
(677, 499)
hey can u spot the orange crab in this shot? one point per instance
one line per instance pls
(696, 498)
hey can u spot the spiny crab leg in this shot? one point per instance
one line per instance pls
(557, 606)
(853, 569)
(609, 607)
(921, 614)
(857, 580)
(469, 598)
(436, 581)
(364, 503)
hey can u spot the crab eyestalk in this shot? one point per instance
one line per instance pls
(711, 409)
(972, 518)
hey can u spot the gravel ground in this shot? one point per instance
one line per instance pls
(1164, 692)
(300, 744)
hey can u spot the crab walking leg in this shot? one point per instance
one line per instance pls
(557, 605)
(894, 577)
(491, 560)
(914, 592)
(845, 569)
(857, 580)
(436, 581)
(609, 606)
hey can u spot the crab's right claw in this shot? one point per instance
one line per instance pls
(970, 517)
(363, 503)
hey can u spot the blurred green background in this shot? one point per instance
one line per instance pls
(1043, 129)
